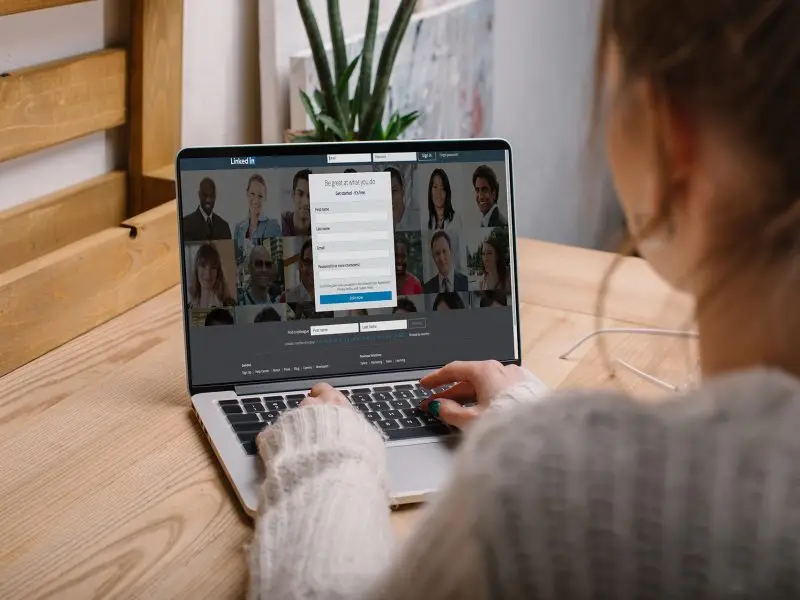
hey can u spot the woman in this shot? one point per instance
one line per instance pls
(407, 283)
(495, 271)
(398, 199)
(590, 494)
(441, 214)
(257, 226)
(493, 300)
(208, 287)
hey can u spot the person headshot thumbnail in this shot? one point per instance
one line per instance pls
(448, 301)
(441, 214)
(298, 221)
(267, 315)
(496, 276)
(398, 199)
(262, 287)
(257, 226)
(404, 305)
(447, 279)
(492, 300)
(487, 191)
(218, 316)
(204, 224)
(407, 283)
(208, 286)
(304, 290)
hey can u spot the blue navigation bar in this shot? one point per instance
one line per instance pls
(355, 297)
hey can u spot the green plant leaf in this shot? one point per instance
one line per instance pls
(391, 45)
(367, 51)
(355, 107)
(320, 100)
(309, 109)
(305, 138)
(343, 91)
(320, 56)
(392, 127)
(337, 39)
(333, 125)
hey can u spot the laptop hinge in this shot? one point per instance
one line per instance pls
(349, 381)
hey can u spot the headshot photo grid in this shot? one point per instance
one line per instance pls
(248, 244)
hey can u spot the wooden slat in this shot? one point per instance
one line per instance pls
(10, 7)
(57, 297)
(158, 186)
(155, 97)
(51, 222)
(60, 101)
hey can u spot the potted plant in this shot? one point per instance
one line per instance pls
(334, 113)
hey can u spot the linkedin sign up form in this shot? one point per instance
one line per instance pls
(317, 261)
(353, 241)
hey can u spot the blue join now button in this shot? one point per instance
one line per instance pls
(355, 298)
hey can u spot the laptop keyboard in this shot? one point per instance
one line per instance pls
(392, 409)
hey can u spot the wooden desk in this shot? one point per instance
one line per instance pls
(109, 489)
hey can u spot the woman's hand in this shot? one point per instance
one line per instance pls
(478, 382)
(323, 393)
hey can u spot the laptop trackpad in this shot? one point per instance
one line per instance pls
(416, 471)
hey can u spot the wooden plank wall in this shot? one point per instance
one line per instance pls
(85, 254)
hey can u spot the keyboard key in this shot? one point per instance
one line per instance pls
(250, 448)
(373, 417)
(404, 386)
(378, 405)
(361, 391)
(413, 413)
(418, 432)
(382, 396)
(411, 422)
(229, 403)
(232, 409)
(422, 393)
(271, 416)
(249, 436)
(294, 403)
(388, 425)
(430, 420)
(295, 396)
(382, 388)
(249, 427)
(246, 400)
(404, 395)
(363, 407)
(358, 397)
(400, 404)
(391, 414)
(273, 399)
(275, 405)
(246, 418)
(345, 392)
(252, 407)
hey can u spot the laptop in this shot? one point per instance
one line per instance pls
(363, 264)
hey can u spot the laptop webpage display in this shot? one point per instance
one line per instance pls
(315, 265)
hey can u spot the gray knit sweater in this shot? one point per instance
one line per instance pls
(583, 495)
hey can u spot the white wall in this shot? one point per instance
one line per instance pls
(544, 51)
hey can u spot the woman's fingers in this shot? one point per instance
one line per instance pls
(460, 391)
(453, 413)
(320, 388)
(454, 372)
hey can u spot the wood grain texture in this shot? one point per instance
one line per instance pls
(10, 7)
(155, 98)
(60, 101)
(35, 228)
(52, 299)
(109, 489)
(158, 186)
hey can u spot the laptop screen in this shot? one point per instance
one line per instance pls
(318, 261)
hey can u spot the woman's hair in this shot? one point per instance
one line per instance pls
(396, 176)
(502, 269)
(449, 211)
(207, 254)
(406, 305)
(490, 298)
(218, 316)
(451, 299)
(735, 65)
(258, 179)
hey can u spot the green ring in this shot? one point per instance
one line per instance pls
(434, 408)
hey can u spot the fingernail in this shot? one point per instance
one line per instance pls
(434, 407)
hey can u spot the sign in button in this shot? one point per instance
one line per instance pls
(355, 298)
